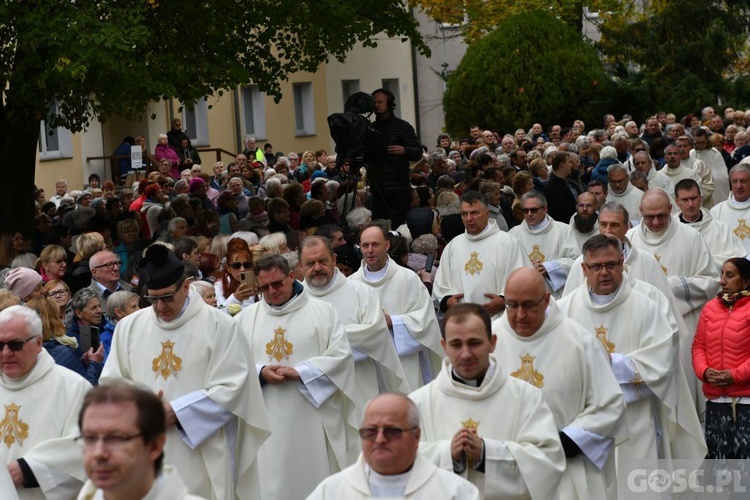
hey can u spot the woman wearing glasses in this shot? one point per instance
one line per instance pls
(230, 289)
(58, 291)
(63, 348)
(86, 306)
(52, 263)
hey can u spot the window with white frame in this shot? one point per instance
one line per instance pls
(392, 85)
(304, 109)
(349, 87)
(195, 122)
(54, 142)
(253, 113)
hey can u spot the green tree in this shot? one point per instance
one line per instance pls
(107, 58)
(678, 56)
(532, 68)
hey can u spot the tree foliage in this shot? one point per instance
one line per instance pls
(481, 17)
(678, 56)
(532, 68)
(106, 58)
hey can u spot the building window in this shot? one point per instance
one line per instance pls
(253, 113)
(304, 109)
(195, 122)
(349, 87)
(54, 142)
(392, 85)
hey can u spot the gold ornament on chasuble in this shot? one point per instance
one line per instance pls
(473, 265)
(470, 425)
(12, 428)
(166, 363)
(601, 336)
(658, 259)
(536, 256)
(279, 348)
(527, 373)
(742, 230)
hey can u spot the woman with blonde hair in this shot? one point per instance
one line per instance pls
(52, 263)
(230, 289)
(87, 245)
(63, 348)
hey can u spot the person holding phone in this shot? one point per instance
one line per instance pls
(230, 287)
(86, 306)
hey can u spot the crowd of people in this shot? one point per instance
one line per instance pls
(558, 305)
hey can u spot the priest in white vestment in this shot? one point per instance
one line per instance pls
(558, 356)
(376, 365)
(656, 179)
(550, 246)
(304, 361)
(40, 401)
(475, 264)
(676, 171)
(390, 465)
(584, 222)
(623, 192)
(196, 359)
(491, 428)
(721, 242)
(407, 308)
(708, 185)
(735, 211)
(662, 421)
(702, 151)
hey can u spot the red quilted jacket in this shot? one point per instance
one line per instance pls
(722, 342)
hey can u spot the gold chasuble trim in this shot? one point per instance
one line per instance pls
(166, 363)
(473, 265)
(12, 428)
(742, 230)
(601, 336)
(472, 426)
(658, 259)
(279, 347)
(536, 256)
(527, 373)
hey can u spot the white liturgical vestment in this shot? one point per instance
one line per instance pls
(719, 172)
(721, 242)
(675, 175)
(523, 457)
(201, 363)
(416, 333)
(736, 215)
(377, 367)
(580, 237)
(551, 244)
(168, 485)
(39, 422)
(661, 418)
(573, 371)
(313, 420)
(477, 264)
(630, 199)
(425, 482)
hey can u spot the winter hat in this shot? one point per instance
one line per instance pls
(196, 183)
(22, 281)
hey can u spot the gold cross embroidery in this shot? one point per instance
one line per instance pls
(473, 265)
(279, 347)
(536, 256)
(658, 259)
(166, 363)
(472, 426)
(12, 428)
(527, 373)
(601, 335)
(742, 231)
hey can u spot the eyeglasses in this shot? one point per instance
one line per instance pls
(660, 217)
(57, 293)
(611, 265)
(110, 441)
(389, 433)
(240, 265)
(166, 298)
(14, 345)
(110, 265)
(512, 306)
(532, 210)
(274, 284)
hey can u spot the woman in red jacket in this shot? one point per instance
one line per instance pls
(721, 359)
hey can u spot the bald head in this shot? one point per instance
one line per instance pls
(656, 210)
(526, 299)
(655, 196)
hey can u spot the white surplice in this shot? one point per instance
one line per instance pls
(721, 242)
(168, 485)
(736, 215)
(416, 333)
(580, 237)
(313, 420)
(523, 457)
(478, 264)
(573, 371)
(630, 199)
(39, 423)
(706, 179)
(425, 482)
(552, 244)
(201, 363)
(719, 172)
(675, 175)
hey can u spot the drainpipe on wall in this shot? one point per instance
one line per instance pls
(414, 83)
(237, 126)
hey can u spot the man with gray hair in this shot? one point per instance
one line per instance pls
(708, 185)
(656, 179)
(105, 275)
(549, 245)
(437, 168)
(41, 400)
(735, 211)
(622, 191)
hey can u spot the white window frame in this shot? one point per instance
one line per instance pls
(304, 109)
(253, 111)
(349, 87)
(199, 136)
(64, 140)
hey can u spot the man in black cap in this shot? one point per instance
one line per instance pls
(194, 357)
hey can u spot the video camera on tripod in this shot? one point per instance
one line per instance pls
(355, 137)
